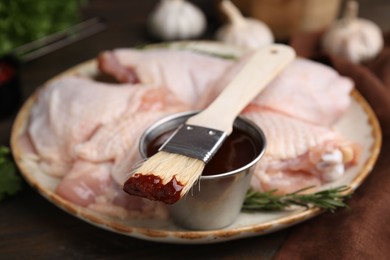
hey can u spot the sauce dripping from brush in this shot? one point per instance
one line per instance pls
(151, 187)
(236, 151)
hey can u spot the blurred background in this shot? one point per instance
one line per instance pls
(27, 26)
(27, 20)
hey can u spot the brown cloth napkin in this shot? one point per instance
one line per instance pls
(363, 230)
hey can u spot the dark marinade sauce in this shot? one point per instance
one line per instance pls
(237, 151)
(151, 187)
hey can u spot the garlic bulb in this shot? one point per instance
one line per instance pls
(352, 38)
(176, 20)
(241, 31)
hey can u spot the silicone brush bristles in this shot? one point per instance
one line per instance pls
(165, 177)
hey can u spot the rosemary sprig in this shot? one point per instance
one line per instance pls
(329, 199)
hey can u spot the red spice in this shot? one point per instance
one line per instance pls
(151, 187)
(6, 72)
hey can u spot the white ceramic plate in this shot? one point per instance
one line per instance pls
(359, 124)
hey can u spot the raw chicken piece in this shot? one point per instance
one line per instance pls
(115, 139)
(90, 185)
(70, 110)
(299, 154)
(80, 128)
(84, 182)
(109, 64)
(211, 93)
(67, 112)
(187, 74)
(309, 91)
(306, 90)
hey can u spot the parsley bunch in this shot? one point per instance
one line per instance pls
(10, 181)
(23, 21)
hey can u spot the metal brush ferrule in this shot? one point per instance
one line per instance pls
(195, 142)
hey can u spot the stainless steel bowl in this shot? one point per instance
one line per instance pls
(215, 200)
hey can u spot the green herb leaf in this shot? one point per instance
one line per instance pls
(10, 181)
(329, 199)
(23, 21)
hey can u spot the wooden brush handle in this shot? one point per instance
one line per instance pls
(260, 69)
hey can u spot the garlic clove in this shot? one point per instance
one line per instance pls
(176, 20)
(355, 39)
(244, 32)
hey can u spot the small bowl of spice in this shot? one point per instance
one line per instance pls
(216, 199)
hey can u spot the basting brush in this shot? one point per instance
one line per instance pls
(170, 173)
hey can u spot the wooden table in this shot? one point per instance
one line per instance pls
(33, 228)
